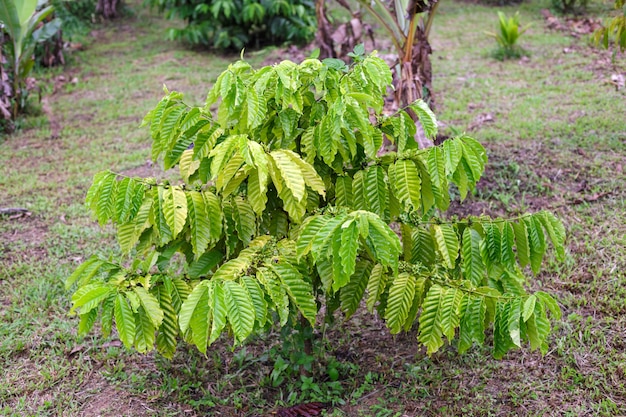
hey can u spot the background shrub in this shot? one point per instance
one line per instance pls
(570, 6)
(233, 24)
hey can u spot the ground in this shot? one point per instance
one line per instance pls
(555, 130)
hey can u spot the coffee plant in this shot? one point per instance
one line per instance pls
(285, 206)
(234, 24)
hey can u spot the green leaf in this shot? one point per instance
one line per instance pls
(90, 296)
(189, 125)
(124, 321)
(548, 301)
(168, 128)
(506, 245)
(423, 248)
(150, 305)
(383, 241)
(206, 139)
(453, 152)
(226, 174)
(245, 220)
(537, 243)
(309, 230)
(239, 309)
(194, 314)
(198, 222)
(107, 314)
(376, 286)
(448, 314)
(299, 290)
(218, 307)
(223, 152)
(87, 320)
(258, 299)
(204, 264)
(501, 335)
(348, 249)
(351, 295)
(426, 117)
(322, 243)
(473, 267)
(429, 327)
(472, 311)
(277, 292)
(215, 215)
(106, 197)
(447, 243)
(175, 209)
(493, 242)
(529, 307)
(522, 246)
(538, 328)
(376, 192)
(290, 173)
(343, 192)
(406, 183)
(144, 331)
(309, 174)
(159, 221)
(178, 289)
(86, 271)
(257, 191)
(514, 321)
(166, 339)
(555, 230)
(439, 181)
(399, 303)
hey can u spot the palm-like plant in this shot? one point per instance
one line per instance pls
(508, 35)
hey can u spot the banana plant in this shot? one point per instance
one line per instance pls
(408, 24)
(25, 25)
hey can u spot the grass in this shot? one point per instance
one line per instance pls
(556, 140)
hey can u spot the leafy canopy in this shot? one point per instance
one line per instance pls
(234, 24)
(285, 205)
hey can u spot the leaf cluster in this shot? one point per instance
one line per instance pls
(614, 28)
(285, 205)
(234, 24)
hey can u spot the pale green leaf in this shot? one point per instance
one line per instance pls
(430, 333)
(290, 173)
(124, 321)
(399, 303)
(239, 309)
(199, 223)
(150, 305)
(447, 243)
(299, 290)
(144, 331)
(473, 267)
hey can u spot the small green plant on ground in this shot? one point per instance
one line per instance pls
(614, 28)
(507, 37)
(234, 24)
(285, 207)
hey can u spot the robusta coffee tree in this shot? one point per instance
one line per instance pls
(285, 206)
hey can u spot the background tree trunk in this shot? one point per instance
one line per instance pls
(108, 8)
